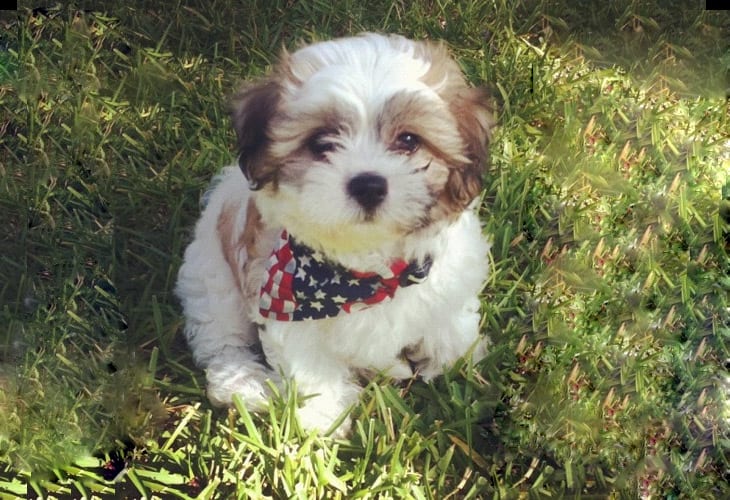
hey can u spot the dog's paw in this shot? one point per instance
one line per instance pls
(313, 417)
(429, 365)
(419, 361)
(249, 382)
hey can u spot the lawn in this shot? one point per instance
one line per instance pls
(607, 201)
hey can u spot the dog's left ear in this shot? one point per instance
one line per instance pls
(473, 111)
(251, 111)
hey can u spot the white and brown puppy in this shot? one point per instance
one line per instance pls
(350, 244)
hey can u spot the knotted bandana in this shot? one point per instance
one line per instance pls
(301, 284)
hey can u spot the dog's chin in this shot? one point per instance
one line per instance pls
(362, 232)
(367, 233)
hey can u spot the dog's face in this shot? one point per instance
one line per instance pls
(355, 142)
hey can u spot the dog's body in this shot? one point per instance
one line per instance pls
(365, 152)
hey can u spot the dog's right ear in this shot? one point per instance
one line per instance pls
(252, 110)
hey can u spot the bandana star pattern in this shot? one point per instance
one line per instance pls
(302, 285)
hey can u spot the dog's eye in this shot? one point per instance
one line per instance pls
(320, 144)
(407, 142)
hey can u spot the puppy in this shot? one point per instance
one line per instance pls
(345, 239)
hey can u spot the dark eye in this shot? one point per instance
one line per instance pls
(321, 143)
(407, 142)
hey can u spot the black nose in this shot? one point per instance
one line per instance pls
(368, 189)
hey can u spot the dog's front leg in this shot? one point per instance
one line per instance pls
(321, 378)
(324, 403)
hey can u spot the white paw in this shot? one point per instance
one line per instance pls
(312, 417)
(249, 382)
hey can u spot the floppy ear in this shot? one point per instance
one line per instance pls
(251, 111)
(473, 112)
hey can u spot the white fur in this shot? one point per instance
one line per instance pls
(438, 320)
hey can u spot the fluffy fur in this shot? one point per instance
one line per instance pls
(377, 106)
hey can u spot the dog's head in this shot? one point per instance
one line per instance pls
(354, 142)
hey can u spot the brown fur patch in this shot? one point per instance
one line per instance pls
(226, 227)
(472, 110)
(409, 112)
(252, 111)
(455, 136)
(248, 239)
(251, 236)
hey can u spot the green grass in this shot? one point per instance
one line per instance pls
(607, 200)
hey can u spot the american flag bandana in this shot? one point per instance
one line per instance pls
(302, 285)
